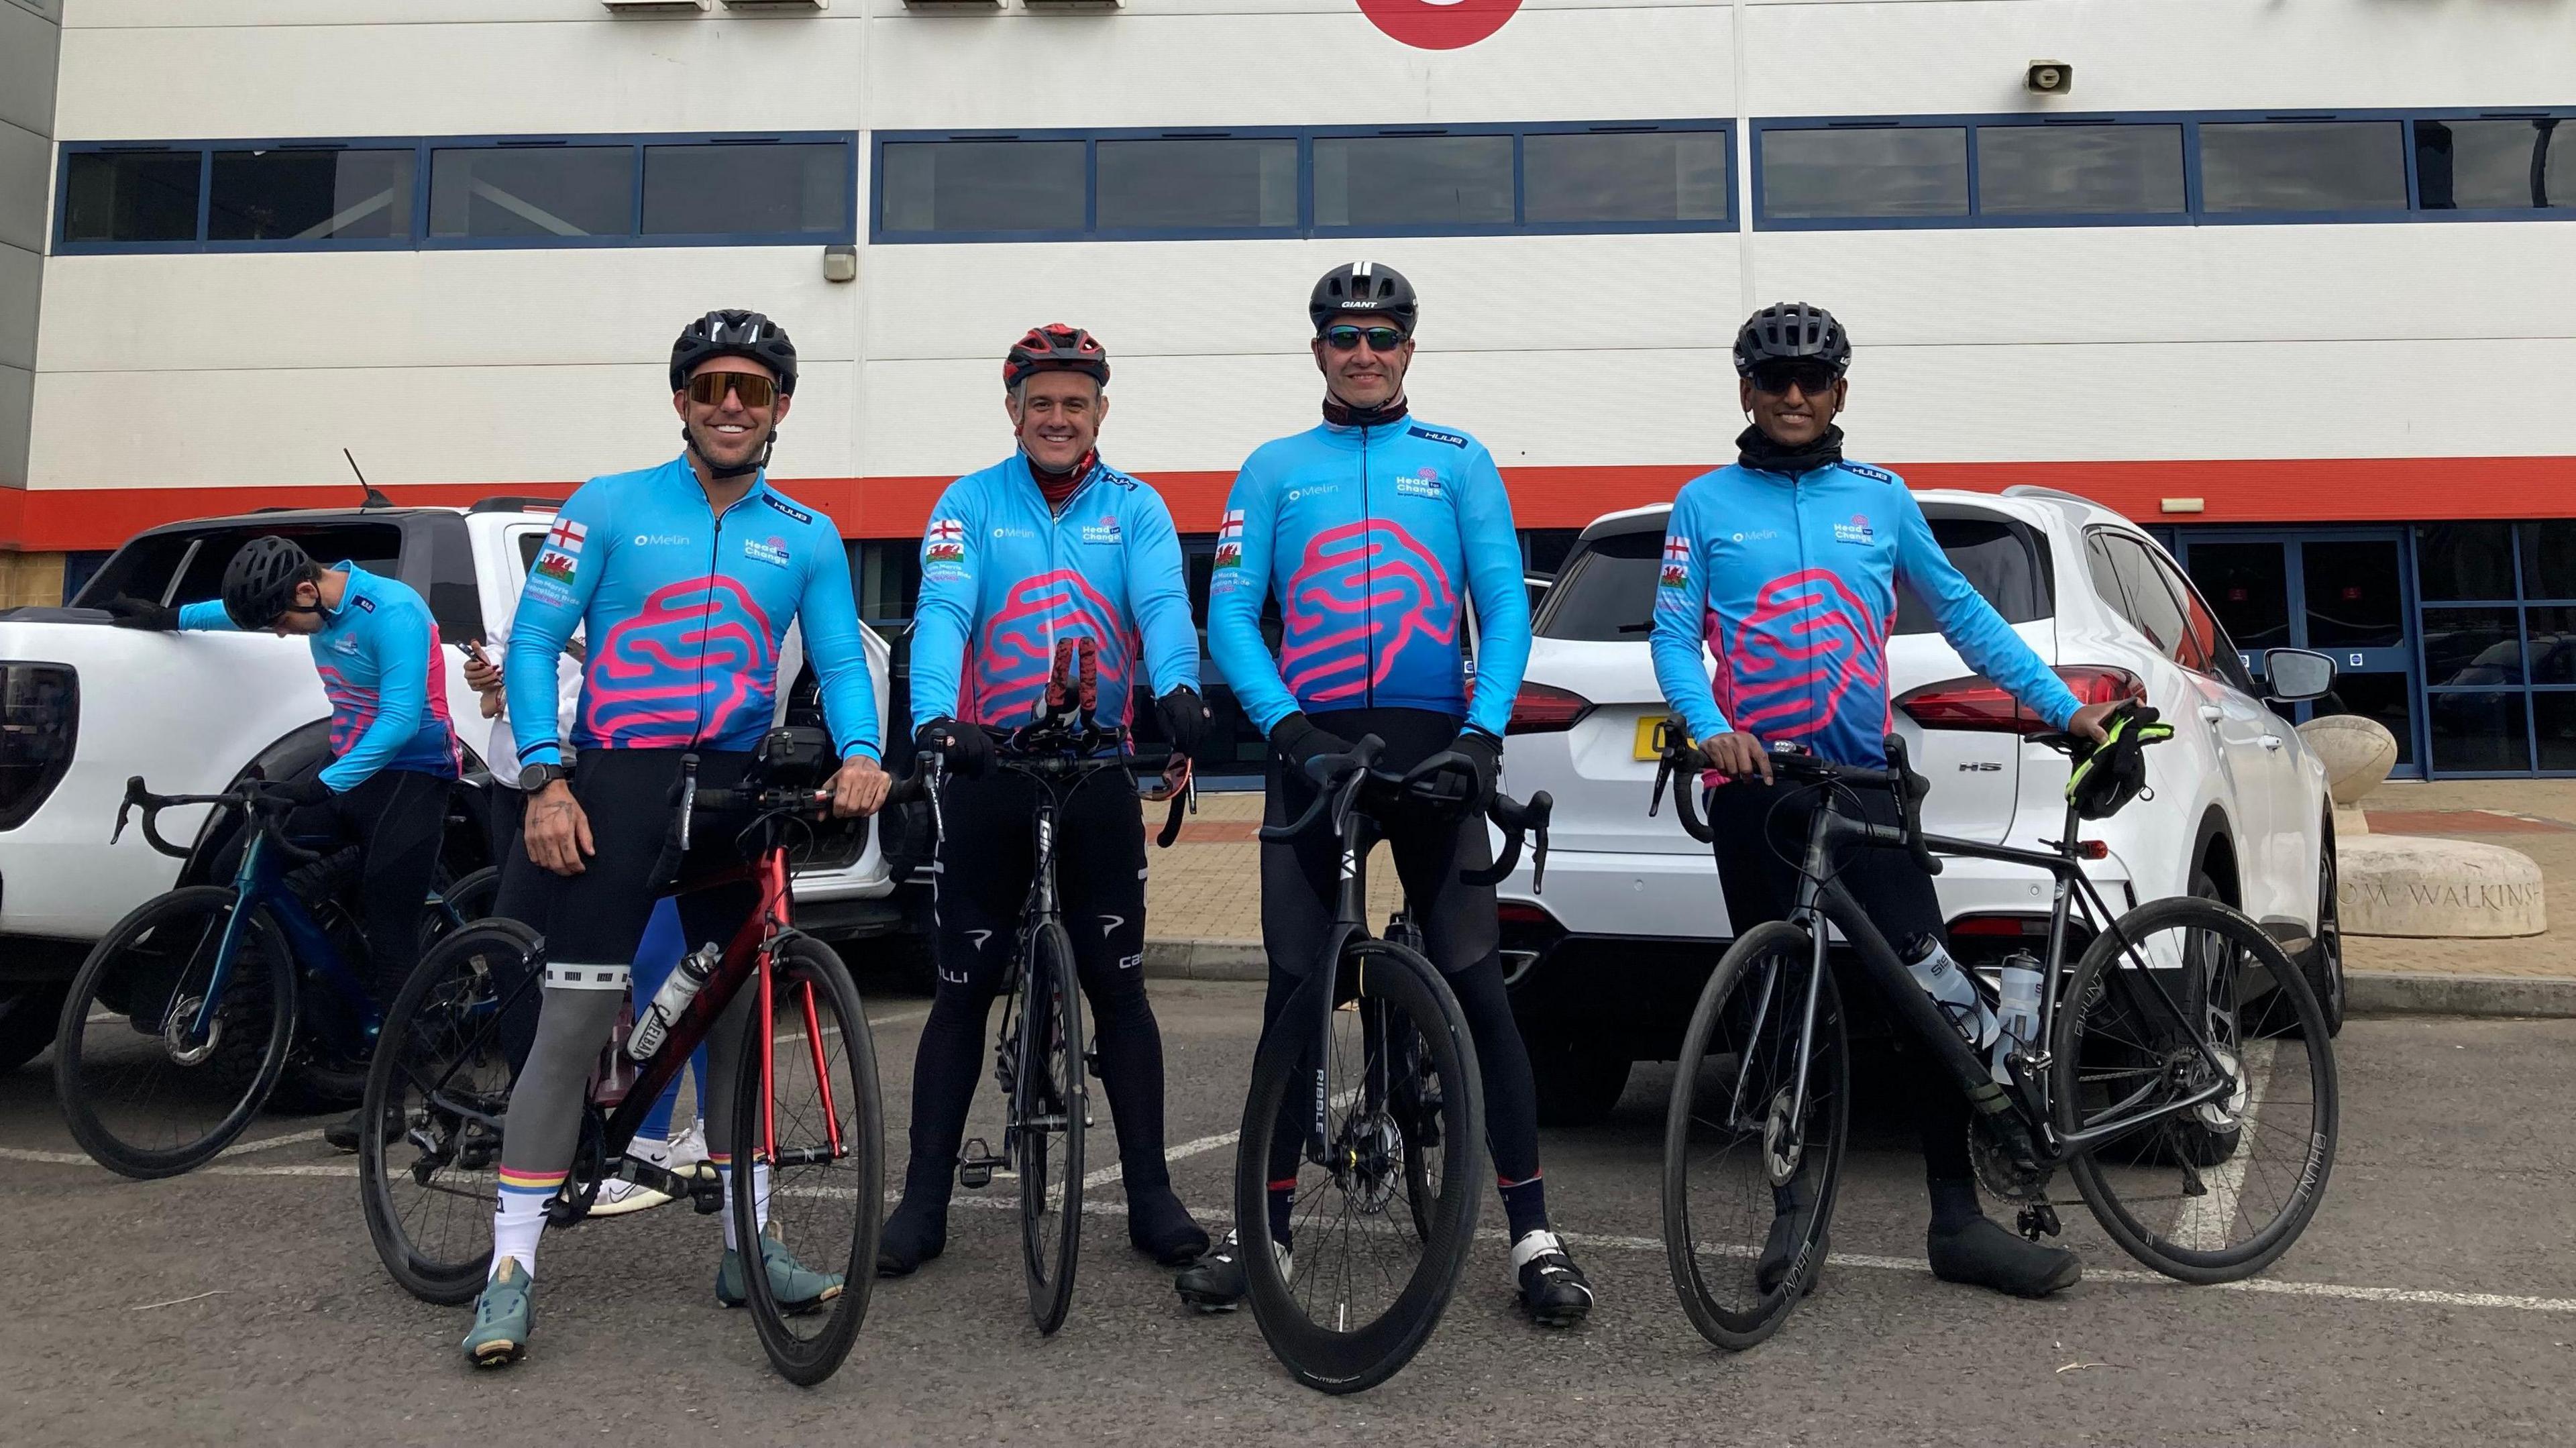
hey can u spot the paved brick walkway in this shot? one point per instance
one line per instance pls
(1208, 887)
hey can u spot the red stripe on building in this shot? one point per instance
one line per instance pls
(2299, 490)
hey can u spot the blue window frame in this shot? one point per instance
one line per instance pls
(1163, 185)
(465, 192)
(2498, 608)
(2163, 168)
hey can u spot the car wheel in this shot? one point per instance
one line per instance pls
(1580, 1075)
(2322, 962)
(29, 1012)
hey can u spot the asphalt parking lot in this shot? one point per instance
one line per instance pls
(2432, 1301)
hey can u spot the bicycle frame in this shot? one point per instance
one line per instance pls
(260, 880)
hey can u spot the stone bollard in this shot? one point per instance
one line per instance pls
(2436, 889)
(2357, 752)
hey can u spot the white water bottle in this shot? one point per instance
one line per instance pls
(1947, 983)
(655, 1022)
(2019, 1015)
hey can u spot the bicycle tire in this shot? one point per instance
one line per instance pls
(2101, 1013)
(1335, 1356)
(469, 899)
(443, 1024)
(101, 1056)
(846, 1188)
(1051, 1100)
(1723, 1030)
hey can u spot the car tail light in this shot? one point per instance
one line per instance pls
(1521, 912)
(2012, 927)
(39, 721)
(1973, 703)
(1546, 709)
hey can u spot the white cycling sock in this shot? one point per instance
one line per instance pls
(516, 1225)
(759, 1197)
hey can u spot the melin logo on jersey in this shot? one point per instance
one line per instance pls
(1439, 24)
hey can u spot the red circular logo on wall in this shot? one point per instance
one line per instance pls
(1439, 24)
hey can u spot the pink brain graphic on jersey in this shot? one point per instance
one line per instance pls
(352, 708)
(1016, 654)
(697, 656)
(1807, 642)
(1362, 595)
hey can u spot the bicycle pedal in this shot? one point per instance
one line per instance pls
(706, 1194)
(2039, 1220)
(975, 1165)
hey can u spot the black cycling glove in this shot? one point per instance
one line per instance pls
(1184, 719)
(1486, 753)
(298, 792)
(967, 748)
(142, 613)
(1298, 739)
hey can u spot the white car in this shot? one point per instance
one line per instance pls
(1605, 964)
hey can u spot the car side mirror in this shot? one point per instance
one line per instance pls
(2292, 675)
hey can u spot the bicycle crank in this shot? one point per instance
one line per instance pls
(2002, 1177)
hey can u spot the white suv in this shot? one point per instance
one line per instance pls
(1605, 965)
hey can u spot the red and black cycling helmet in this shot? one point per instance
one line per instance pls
(1055, 347)
(734, 333)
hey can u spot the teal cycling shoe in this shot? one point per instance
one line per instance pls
(797, 1287)
(501, 1318)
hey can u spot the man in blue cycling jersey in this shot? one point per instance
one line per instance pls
(1047, 546)
(393, 746)
(684, 579)
(1376, 532)
(1785, 567)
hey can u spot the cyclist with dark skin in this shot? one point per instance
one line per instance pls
(1784, 567)
(1375, 532)
(1048, 547)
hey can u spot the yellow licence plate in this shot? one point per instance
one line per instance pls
(1646, 728)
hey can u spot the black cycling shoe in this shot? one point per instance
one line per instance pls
(1215, 1283)
(1984, 1254)
(915, 1234)
(1161, 1228)
(343, 1135)
(1778, 1255)
(1554, 1290)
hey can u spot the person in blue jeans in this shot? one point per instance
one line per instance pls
(1376, 532)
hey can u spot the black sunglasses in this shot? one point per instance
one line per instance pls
(1348, 339)
(1810, 378)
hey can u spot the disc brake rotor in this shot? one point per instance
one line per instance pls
(174, 1034)
(1372, 1155)
(1784, 1148)
(2224, 1113)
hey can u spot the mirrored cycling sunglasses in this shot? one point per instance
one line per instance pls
(1348, 339)
(707, 389)
(1810, 378)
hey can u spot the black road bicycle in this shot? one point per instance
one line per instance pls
(2181, 1070)
(1365, 1092)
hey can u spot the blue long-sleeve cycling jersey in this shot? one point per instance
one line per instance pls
(684, 611)
(1004, 576)
(377, 654)
(1791, 581)
(1367, 535)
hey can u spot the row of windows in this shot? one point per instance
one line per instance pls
(571, 191)
(1064, 185)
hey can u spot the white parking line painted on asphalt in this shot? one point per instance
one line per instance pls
(271, 1142)
(1201, 1146)
(2262, 1286)
(2204, 1223)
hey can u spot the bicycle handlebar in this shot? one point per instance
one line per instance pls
(267, 811)
(1517, 820)
(1340, 777)
(1681, 763)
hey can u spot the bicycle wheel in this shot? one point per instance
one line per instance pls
(816, 1143)
(2217, 1191)
(1742, 1167)
(442, 1069)
(1416, 1102)
(152, 1083)
(1048, 1110)
(1371, 1267)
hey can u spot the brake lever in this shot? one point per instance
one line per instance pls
(688, 797)
(1541, 805)
(125, 808)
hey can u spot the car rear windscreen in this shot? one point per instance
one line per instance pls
(1607, 592)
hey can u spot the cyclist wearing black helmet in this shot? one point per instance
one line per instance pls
(1784, 566)
(394, 750)
(1376, 532)
(1051, 544)
(684, 578)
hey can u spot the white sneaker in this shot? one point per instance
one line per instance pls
(689, 1152)
(617, 1197)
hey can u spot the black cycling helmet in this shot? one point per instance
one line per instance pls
(1362, 287)
(260, 581)
(1055, 347)
(734, 333)
(1791, 332)
(2115, 771)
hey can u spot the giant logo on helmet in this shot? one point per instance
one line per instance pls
(1807, 642)
(1439, 24)
(1363, 594)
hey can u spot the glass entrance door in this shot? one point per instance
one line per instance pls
(2343, 596)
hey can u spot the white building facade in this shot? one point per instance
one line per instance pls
(2290, 277)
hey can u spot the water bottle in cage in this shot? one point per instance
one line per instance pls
(654, 1024)
(1947, 983)
(2019, 1015)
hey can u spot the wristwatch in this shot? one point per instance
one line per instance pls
(537, 776)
